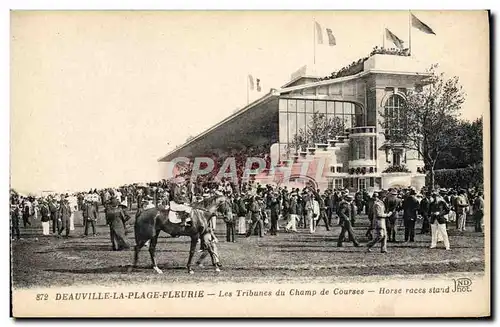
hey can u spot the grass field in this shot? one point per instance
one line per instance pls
(39, 260)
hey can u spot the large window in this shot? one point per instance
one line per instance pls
(338, 183)
(394, 117)
(396, 157)
(362, 148)
(330, 184)
(296, 116)
(372, 148)
(361, 184)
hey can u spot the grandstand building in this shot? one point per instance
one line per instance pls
(365, 155)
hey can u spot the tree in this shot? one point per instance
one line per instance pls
(429, 121)
(319, 130)
(472, 142)
(466, 149)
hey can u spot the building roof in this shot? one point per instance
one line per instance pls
(236, 126)
(376, 64)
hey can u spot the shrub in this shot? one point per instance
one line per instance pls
(462, 177)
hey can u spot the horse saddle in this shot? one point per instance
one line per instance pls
(173, 216)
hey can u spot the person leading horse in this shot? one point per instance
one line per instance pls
(150, 222)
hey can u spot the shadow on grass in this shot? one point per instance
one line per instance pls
(333, 249)
(388, 269)
(114, 269)
(105, 248)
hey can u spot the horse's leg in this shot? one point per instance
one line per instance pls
(137, 248)
(202, 257)
(194, 242)
(152, 249)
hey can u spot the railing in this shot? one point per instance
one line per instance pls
(397, 169)
(362, 170)
(362, 130)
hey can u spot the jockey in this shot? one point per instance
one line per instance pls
(179, 199)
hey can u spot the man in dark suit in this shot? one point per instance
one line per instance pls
(424, 208)
(370, 201)
(90, 217)
(392, 203)
(225, 209)
(274, 206)
(15, 212)
(116, 218)
(54, 214)
(345, 214)
(322, 210)
(410, 208)
(330, 206)
(478, 208)
(64, 214)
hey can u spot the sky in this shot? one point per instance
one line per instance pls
(98, 97)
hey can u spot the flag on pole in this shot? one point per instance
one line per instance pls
(329, 33)
(319, 33)
(251, 85)
(331, 38)
(394, 39)
(250, 82)
(419, 25)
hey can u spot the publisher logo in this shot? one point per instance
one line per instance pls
(462, 285)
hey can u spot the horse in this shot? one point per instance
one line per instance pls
(150, 222)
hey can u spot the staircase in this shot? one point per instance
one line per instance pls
(321, 149)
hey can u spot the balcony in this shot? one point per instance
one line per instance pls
(362, 130)
(396, 169)
(362, 170)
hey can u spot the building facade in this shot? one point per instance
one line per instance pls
(363, 154)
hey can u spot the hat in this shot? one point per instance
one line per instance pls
(179, 180)
(394, 192)
(348, 197)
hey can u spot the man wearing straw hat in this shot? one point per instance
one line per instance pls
(379, 225)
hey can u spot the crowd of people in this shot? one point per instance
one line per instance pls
(255, 209)
(240, 157)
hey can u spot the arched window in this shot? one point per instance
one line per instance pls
(394, 117)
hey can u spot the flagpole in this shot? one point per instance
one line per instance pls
(409, 31)
(314, 42)
(248, 98)
(383, 38)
